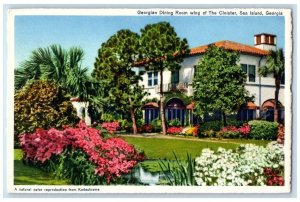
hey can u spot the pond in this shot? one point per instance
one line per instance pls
(141, 176)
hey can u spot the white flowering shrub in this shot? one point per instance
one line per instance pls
(241, 167)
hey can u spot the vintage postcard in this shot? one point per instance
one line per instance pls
(149, 100)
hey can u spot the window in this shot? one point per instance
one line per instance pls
(152, 78)
(282, 81)
(246, 114)
(151, 114)
(252, 73)
(175, 76)
(244, 68)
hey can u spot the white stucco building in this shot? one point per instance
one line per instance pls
(179, 83)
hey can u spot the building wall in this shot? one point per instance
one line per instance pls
(81, 110)
(263, 88)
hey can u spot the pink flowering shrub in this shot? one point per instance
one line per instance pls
(174, 130)
(111, 127)
(234, 132)
(111, 158)
(244, 130)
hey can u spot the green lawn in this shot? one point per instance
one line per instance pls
(159, 148)
(27, 175)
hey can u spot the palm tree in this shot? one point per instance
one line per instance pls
(55, 63)
(274, 65)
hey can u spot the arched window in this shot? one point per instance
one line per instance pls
(175, 109)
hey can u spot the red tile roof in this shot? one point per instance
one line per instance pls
(230, 45)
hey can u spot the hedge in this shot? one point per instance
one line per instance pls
(263, 130)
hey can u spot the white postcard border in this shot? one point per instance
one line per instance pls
(147, 189)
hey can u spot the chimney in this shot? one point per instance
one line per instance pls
(265, 41)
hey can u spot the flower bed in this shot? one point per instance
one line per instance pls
(191, 131)
(234, 132)
(174, 130)
(247, 165)
(110, 158)
(111, 127)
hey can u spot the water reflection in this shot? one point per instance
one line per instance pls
(146, 177)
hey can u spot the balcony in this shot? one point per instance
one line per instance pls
(173, 87)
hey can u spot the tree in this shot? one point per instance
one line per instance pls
(113, 66)
(219, 83)
(274, 65)
(42, 104)
(162, 49)
(56, 64)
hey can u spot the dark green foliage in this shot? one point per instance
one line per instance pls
(174, 122)
(234, 122)
(263, 130)
(156, 125)
(180, 173)
(42, 104)
(219, 83)
(73, 165)
(211, 125)
(59, 65)
(113, 66)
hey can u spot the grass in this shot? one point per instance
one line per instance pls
(161, 148)
(27, 175)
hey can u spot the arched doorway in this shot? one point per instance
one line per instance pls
(151, 112)
(267, 110)
(175, 109)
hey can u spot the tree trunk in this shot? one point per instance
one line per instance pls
(162, 110)
(224, 119)
(277, 88)
(132, 115)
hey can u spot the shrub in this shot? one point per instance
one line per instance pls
(207, 133)
(42, 104)
(174, 130)
(234, 132)
(107, 117)
(156, 125)
(228, 132)
(244, 130)
(191, 131)
(234, 122)
(244, 166)
(111, 158)
(111, 127)
(263, 130)
(211, 125)
(174, 122)
(146, 128)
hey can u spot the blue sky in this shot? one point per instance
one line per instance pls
(89, 32)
